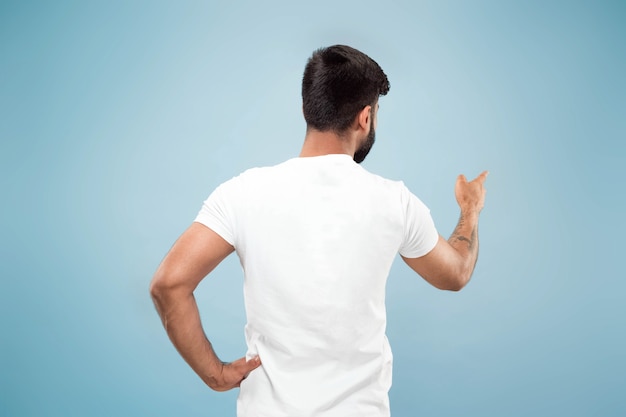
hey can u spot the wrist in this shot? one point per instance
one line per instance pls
(470, 213)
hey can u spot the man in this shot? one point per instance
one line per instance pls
(316, 236)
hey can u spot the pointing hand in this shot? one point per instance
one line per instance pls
(471, 195)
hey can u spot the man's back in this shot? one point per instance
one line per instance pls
(316, 238)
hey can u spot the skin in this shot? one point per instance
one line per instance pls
(449, 266)
(199, 250)
(318, 143)
(194, 255)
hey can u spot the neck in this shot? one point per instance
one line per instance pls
(318, 143)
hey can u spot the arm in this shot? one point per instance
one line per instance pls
(195, 254)
(449, 266)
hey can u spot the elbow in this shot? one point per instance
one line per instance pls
(457, 282)
(456, 287)
(161, 285)
(157, 289)
(452, 286)
(450, 281)
(168, 284)
(460, 277)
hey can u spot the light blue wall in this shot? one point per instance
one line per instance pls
(118, 118)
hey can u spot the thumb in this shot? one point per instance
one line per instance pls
(252, 364)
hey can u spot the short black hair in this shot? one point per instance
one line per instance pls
(338, 82)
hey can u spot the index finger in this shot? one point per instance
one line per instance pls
(482, 177)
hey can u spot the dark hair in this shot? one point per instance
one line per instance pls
(338, 82)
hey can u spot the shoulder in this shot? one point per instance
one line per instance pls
(398, 190)
(249, 180)
(396, 187)
(263, 171)
(252, 178)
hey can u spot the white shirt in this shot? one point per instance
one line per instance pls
(316, 238)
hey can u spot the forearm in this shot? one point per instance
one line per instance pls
(464, 240)
(193, 256)
(450, 264)
(180, 316)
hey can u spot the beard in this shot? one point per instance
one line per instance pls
(366, 146)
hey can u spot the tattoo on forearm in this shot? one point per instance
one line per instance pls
(466, 246)
(463, 239)
(457, 236)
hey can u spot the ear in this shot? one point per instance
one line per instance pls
(363, 118)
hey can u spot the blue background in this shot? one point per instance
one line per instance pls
(117, 119)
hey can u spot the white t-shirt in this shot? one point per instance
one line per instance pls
(316, 238)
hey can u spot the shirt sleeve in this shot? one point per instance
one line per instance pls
(217, 212)
(420, 234)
